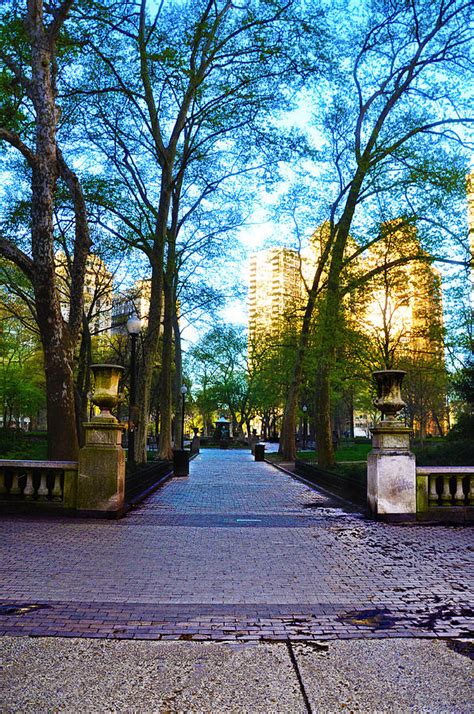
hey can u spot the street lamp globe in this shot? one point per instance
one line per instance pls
(134, 325)
(184, 390)
(304, 408)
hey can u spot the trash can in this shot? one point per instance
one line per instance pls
(181, 462)
(259, 452)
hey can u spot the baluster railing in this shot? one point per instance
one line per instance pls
(446, 497)
(15, 489)
(433, 493)
(447, 487)
(56, 492)
(459, 497)
(29, 490)
(41, 484)
(43, 491)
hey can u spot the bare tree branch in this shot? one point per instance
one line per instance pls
(14, 140)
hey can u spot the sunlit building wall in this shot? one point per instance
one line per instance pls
(97, 292)
(134, 301)
(403, 308)
(276, 291)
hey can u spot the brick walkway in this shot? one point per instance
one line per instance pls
(239, 551)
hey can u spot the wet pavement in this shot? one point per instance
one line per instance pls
(239, 551)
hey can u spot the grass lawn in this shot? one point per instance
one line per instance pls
(345, 452)
(434, 452)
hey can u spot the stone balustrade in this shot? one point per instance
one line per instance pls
(447, 488)
(38, 484)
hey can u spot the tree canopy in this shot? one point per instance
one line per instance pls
(149, 132)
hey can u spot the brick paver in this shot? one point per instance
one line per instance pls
(239, 550)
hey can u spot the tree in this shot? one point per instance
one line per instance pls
(407, 93)
(21, 367)
(30, 75)
(220, 371)
(182, 114)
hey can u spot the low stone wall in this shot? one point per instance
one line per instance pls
(443, 493)
(347, 487)
(38, 486)
(139, 481)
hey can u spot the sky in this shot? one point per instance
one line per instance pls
(262, 229)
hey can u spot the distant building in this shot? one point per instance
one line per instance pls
(400, 311)
(470, 219)
(403, 318)
(97, 292)
(403, 308)
(470, 208)
(134, 301)
(276, 291)
(280, 279)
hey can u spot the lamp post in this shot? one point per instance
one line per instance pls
(305, 425)
(133, 328)
(184, 390)
(180, 456)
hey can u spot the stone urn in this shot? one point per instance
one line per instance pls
(105, 394)
(389, 396)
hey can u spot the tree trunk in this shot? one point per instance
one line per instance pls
(62, 435)
(151, 340)
(147, 364)
(83, 381)
(287, 438)
(287, 446)
(324, 441)
(165, 401)
(351, 413)
(178, 377)
(45, 162)
(165, 398)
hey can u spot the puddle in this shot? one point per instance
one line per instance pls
(376, 619)
(21, 609)
(446, 613)
(311, 647)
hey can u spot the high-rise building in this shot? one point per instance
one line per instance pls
(401, 308)
(470, 210)
(399, 312)
(470, 221)
(134, 301)
(97, 291)
(276, 291)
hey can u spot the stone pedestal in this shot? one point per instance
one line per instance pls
(391, 474)
(253, 440)
(195, 444)
(101, 477)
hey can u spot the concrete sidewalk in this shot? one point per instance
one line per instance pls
(255, 567)
(60, 675)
